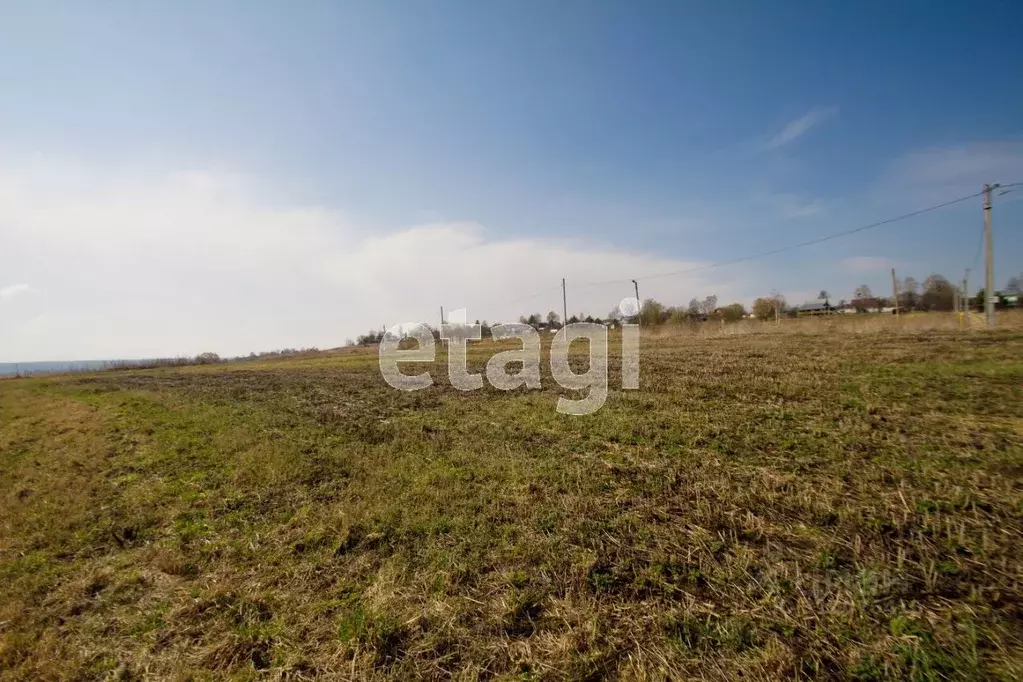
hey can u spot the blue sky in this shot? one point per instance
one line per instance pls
(592, 140)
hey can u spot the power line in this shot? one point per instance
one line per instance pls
(1003, 188)
(980, 241)
(791, 247)
(818, 240)
(980, 245)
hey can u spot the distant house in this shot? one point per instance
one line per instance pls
(815, 308)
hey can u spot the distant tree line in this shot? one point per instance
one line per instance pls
(651, 312)
(553, 320)
(936, 293)
(207, 358)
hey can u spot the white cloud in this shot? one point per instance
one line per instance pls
(143, 264)
(800, 126)
(14, 290)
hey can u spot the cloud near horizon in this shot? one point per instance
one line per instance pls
(14, 290)
(146, 265)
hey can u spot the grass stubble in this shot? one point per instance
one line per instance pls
(815, 506)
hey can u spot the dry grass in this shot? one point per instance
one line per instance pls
(768, 505)
(907, 323)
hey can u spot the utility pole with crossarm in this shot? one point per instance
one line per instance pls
(989, 265)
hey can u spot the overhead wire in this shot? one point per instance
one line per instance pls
(980, 245)
(980, 242)
(791, 247)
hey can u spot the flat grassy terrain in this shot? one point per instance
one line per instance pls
(766, 506)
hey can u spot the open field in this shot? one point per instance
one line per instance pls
(829, 505)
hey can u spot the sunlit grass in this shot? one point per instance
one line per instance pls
(777, 504)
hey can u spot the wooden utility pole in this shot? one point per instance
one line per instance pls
(966, 290)
(564, 301)
(989, 274)
(895, 293)
(964, 307)
(639, 320)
